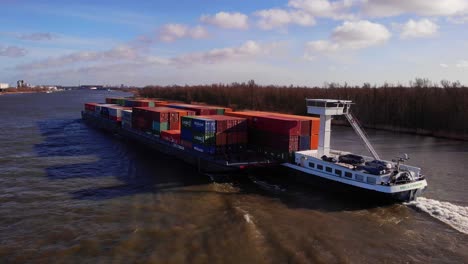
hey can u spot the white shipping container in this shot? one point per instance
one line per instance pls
(115, 111)
(100, 106)
(4, 85)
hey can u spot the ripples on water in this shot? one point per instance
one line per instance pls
(69, 193)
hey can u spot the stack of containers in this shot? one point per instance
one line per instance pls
(176, 117)
(310, 127)
(100, 109)
(308, 137)
(143, 103)
(157, 119)
(114, 100)
(200, 109)
(127, 118)
(231, 133)
(113, 112)
(214, 134)
(275, 133)
(199, 134)
(144, 117)
(204, 135)
(138, 103)
(186, 134)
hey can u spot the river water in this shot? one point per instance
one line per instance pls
(69, 193)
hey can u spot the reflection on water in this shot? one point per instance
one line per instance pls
(71, 193)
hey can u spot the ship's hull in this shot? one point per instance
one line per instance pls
(287, 175)
(348, 191)
(203, 162)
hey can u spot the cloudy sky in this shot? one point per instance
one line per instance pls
(299, 42)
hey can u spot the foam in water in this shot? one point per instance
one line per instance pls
(454, 215)
(247, 218)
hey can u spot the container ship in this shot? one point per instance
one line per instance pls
(218, 139)
(393, 180)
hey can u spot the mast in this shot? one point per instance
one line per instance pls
(327, 108)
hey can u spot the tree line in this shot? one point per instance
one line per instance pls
(422, 107)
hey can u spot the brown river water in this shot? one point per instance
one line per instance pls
(72, 194)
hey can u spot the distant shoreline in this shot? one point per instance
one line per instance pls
(25, 92)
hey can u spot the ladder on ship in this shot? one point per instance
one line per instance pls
(354, 123)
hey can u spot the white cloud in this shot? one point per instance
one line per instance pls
(350, 36)
(38, 36)
(418, 29)
(385, 8)
(248, 50)
(198, 32)
(172, 32)
(12, 51)
(279, 18)
(360, 34)
(227, 20)
(117, 53)
(462, 64)
(443, 65)
(324, 8)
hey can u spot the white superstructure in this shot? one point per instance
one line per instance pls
(394, 178)
(4, 85)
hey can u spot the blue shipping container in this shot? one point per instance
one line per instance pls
(203, 125)
(186, 134)
(204, 149)
(304, 142)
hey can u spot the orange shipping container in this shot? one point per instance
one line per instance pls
(314, 141)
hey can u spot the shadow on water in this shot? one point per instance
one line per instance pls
(97, 154)
(79, 151)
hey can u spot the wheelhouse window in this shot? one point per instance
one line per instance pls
(320, 167)
(328, 169)
(348, 174)
(311, 164)
(338, 172)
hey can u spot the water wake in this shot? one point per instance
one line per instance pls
(454, 215)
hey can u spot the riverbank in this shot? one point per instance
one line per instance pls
(28, 92)
(429, 111)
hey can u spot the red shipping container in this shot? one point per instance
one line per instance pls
(221, 139)
(171, 136)
(152, 113)
(277, 125)
(174, 125)
(314, 125)
(90, 107)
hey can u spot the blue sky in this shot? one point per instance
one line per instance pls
(299, 42)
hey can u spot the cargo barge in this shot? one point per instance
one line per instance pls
(205, 163)
(214, 144)
(219, 140)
